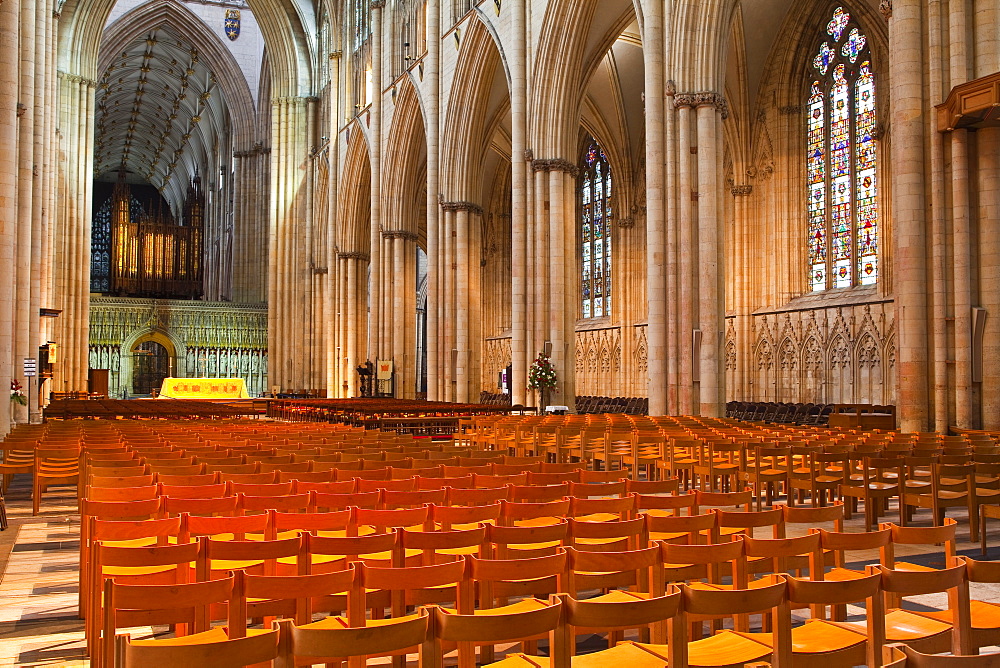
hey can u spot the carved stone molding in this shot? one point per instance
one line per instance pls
(462, 206)
(555, 165)
(703, 99)
(790, 110)
(741, 190)
(335, 55)
(626, 223)
(406, 235)
(378, 4)
(529, 155)
(257, 149)
(671, 88)
(353, 255)
(21, 110)
(76, 78)
(885, 6)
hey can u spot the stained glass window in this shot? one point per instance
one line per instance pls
(596, 218)
(841, 161)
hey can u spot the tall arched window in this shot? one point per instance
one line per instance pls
(842, 160)
(595, 231)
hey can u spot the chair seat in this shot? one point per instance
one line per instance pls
(983, 615)
(215, 634)
(726, 648)
(619, 596)
(818, 636)
(903, 625)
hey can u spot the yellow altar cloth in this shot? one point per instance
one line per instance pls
(204, 388)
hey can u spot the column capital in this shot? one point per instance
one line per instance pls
(703, 99)
(406, 235)
(378, 4)
(885, 7)
(336, 55)
(741, 190)
(555, 165)
(353, 255)
(462, 206)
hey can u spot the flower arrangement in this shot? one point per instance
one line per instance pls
(541, 374)
(17, 394)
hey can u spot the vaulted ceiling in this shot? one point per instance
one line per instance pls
(160, 112)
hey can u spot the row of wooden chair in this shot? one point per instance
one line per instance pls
(669, 620)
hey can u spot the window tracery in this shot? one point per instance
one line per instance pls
(842, 160)
(596, 215)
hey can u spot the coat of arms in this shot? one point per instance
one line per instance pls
(232, 24)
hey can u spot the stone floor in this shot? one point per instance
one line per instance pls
(39, 565)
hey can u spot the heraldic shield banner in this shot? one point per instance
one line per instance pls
(232, 24)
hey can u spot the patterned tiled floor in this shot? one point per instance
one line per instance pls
(39, 625)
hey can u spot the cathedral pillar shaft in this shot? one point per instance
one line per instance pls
(375, 307)
(909, 215)
(557, 280)
(462, 310)
(710, 298)
(25, 212)
(671, 222)
(989, 266)
(939, 236)
(432, 74)
(688, 260)
(8, 190)
(541, 264)
(291, 363)
(962, 278)
(656, 263)
(450, 324)
(519, 204)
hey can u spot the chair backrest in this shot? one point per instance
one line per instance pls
(500, 578)
(935, 535)
(352, 642)
(446, 515)
(914, 659)
(259, 648)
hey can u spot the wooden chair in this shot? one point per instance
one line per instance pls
(187, 607)
(826, 644)
(18, 457)
(921, 631)
(898, 655)
(950, 486)
(258, 648)
(771, 465)
(53, 467)
(335, 645)
(882, 479)
(984, 617)
(469, 630)
(156, 564)
(726, 647)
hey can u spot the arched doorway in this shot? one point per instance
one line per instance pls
(151, 363)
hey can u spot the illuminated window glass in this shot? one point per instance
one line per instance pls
(842, 161)
(596, 218)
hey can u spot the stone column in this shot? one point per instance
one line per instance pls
(671, 221)
(656, 263)
(988, 140)
(711, 301)
(939, 235)
(374, 309)
(8, 192)
(25, 186)
(448, 295)
(518, 63)
(909, 210)
(688, 257)
(962, 278)
(432, 78)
